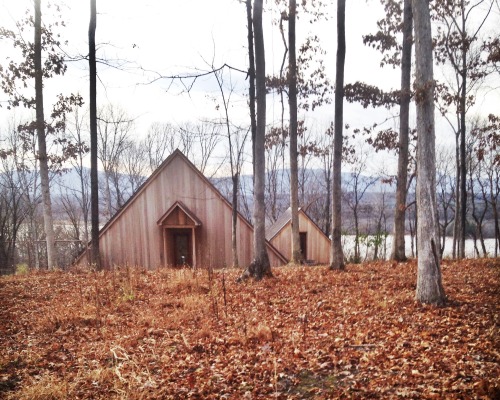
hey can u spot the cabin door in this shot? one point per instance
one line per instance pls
(182, 248)
(303, 244)
(179, 247)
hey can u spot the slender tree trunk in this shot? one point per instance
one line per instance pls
(456, 221)
(294, 172)
(328, 205)
(251, 76)
(336, 252)
(260, 266)
(357, 250)
(234, 215)
(398, 244)
(429, 284)
(463, 167)
(94, 183)
(42, 146)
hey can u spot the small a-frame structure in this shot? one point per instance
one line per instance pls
(314, 244)
(177, 217)
(179, 226)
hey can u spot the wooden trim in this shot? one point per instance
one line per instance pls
(178, 204)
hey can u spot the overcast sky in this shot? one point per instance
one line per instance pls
(153, 37)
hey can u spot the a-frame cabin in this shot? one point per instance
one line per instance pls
(177, 217)
(314, 244)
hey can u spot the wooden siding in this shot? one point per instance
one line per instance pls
(133, 236)
(318, 244)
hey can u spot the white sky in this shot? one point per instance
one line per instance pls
(176, 37)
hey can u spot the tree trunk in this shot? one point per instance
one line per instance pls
(456, 220)
(328, 201)
(336, 252)
(251, 76)
(297, 255)
(398, 244)
(429, 285)
(42, 146)
(234, 215)
(94, 183)
(260, 266)
(463, 168)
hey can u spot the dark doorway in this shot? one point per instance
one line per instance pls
(303, 244)
(179, 247)
(182, 249)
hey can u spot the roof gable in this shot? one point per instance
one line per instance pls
(279, 224)
(179, 215)
(285, 219)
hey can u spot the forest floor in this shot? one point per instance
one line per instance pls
(307, 333)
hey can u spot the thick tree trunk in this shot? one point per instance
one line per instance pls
(94, 183)
(336, 252)
(398, 244)
(42, 146)
(260, 266)
(429, 286)
(297, 255)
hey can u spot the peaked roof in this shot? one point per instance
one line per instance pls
(279, 224)
(184, 209)
(283, 220)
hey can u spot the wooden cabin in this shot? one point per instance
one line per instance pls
(177, 217)
(314, 244)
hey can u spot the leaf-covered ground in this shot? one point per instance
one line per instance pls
(307, 333)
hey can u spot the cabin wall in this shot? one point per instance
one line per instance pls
(318, 245)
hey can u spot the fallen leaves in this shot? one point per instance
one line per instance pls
(308, 333)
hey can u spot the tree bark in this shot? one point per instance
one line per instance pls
(234, 218)
(260, 267)
(336, 252)
(297, 255)
(463, 161)
(42, 145)
(398, 244)
(429, 284)
(251, 75)
(94, 183)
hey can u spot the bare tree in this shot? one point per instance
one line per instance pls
(25, 163)
(355, 190)
(429, 285)
(336, 252)
(135, 166)
(42, 145)
(398, 244)
(114, 130)
(236, 143)
(14, 209)
(445, 192)
(82, 193)
(200, 140)
(296, 253)
(260, 267)
(275, 154)
(94, 178)
(456, 44)
(160, 141)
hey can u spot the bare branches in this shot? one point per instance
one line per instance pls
(188, 80)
